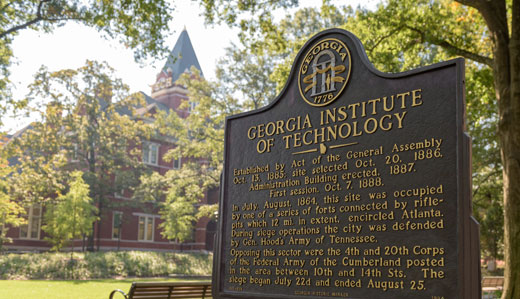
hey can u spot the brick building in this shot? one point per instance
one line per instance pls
(126, 227)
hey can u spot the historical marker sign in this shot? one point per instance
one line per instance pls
(351, 184)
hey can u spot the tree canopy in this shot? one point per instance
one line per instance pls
(138, 24)
(84, 112)
(70, 216)
(11, 210)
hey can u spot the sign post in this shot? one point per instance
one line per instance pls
(353, 183)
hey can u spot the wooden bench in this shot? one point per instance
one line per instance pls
(492, 283)
(170, 290)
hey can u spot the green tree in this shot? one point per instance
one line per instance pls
(90, 124)
(277, 43)
(247, 75)
(487, 167)
(36, 174)
(231, 11)
(11, 211)
(490, 214)
(39, 160)
(70, 216)
(139, 24)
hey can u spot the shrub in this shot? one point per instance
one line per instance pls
(103, 265)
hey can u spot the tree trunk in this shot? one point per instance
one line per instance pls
(3, 233)
(98, 232)
(506, 72)
(511, 160)
(510, 139)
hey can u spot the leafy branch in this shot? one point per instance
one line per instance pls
(39, 17)
(425, 37)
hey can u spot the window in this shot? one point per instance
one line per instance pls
(117, 220)
(150, 153)
(118, 183)
(177, 163)
(191, 106)
(31, 230)
(145, 232)
(120, 194)
(75, 153)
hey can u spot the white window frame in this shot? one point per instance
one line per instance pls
(147, 158)
(114, 213)
(179, 163)
(30, 221)
(147, 219)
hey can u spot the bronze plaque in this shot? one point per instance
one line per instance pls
(352, 184)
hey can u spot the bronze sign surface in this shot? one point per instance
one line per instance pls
(351, 184)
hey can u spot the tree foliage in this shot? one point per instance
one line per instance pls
(90, 124)
(279, 42)
(139, 24)
(231, 12)
(11, 211)
(247, 75)
(38, 159)
(70, 216)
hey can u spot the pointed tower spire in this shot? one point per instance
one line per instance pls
(182, 57)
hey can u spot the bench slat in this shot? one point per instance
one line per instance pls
(170, 290)
(177, 296)
(492, 283)
(180, 293)
(173, 296)
(172, 284)
(167, 291)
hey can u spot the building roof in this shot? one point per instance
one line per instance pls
(151, 103)
(21, 131)
(182, 57)
(140, 110)
(8, 138)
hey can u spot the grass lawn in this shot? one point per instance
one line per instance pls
(67, 289)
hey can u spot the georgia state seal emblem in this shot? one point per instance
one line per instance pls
(324, 72)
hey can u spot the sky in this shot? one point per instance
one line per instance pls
(71, 45)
